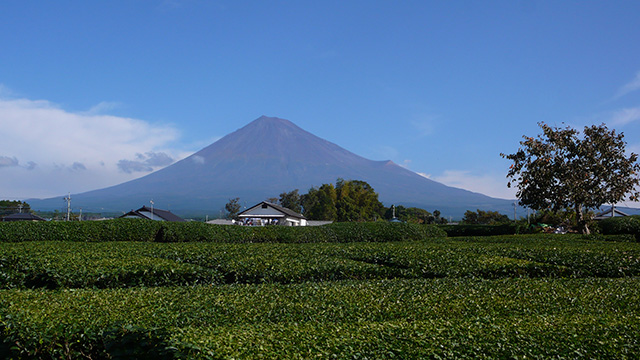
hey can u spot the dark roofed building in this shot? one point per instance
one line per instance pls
(23, 217)
(152, 214)
(612, 212)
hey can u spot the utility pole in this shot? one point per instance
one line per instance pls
(68, 200)
(514, 211)
(151, 209)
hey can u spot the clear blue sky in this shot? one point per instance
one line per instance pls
(93, 93)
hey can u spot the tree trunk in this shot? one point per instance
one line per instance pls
(582, 223)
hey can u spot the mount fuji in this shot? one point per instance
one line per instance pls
(263, 159)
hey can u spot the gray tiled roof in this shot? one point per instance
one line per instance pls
(163, 214)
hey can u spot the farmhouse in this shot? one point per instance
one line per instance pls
(152, 214)
(23, 217)
(266, 213)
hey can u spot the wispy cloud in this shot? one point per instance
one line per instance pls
(493, 185)
(425, 124)
(386, 152)
(76, 166)
(6, 161)
(5, 91)
(625, 116)
(198, 159)
(629, 87)
(103, 107)
(47, 151)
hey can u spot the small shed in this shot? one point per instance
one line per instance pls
(23, 217)
(266, 213)
(152, 214)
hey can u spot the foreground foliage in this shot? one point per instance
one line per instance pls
(527, 296)
(56, 265)
(144, 230)
(450, 318)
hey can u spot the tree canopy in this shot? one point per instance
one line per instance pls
(484, 217)
(291, 200)
(8, 207)
(320, 203)
(233, 208)
(562, 168)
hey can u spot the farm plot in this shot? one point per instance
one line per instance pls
(495, 297)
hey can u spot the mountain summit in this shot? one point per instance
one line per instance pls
(265, 158)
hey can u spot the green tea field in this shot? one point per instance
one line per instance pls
(386, 296)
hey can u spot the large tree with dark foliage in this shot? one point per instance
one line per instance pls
(562, 168)
(348, 200)
(320, 203)
(357, 201)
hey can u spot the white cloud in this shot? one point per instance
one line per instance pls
(386, 152)
(198, 159)
(58, 151)
(625, 116)
(5, 91)
(490, 185)
(631, 86)
(103, 107)
(424, 125)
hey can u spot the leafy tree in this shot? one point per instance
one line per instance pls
(352, 200)
(320, 203)
(484, 217)
(291, 200)
(357, 201)
(8, 207)
(562, 168)
(233, 208)
(411, 214)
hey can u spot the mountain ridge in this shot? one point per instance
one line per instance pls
(269, 156)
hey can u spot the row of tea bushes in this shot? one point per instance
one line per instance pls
(144, 230)
(483, 230)
(620, 226)
(55, 265)
(125, 264)
(437, 318)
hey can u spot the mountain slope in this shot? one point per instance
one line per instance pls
(265, 158)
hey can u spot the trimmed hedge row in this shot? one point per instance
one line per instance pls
(620, 226)
(144, 230)
(56, 265)
(483, 230)
(439, 318)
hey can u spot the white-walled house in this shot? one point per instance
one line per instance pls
(266, 213)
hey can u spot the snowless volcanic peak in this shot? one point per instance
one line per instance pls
(271, 137)
(265, 158)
